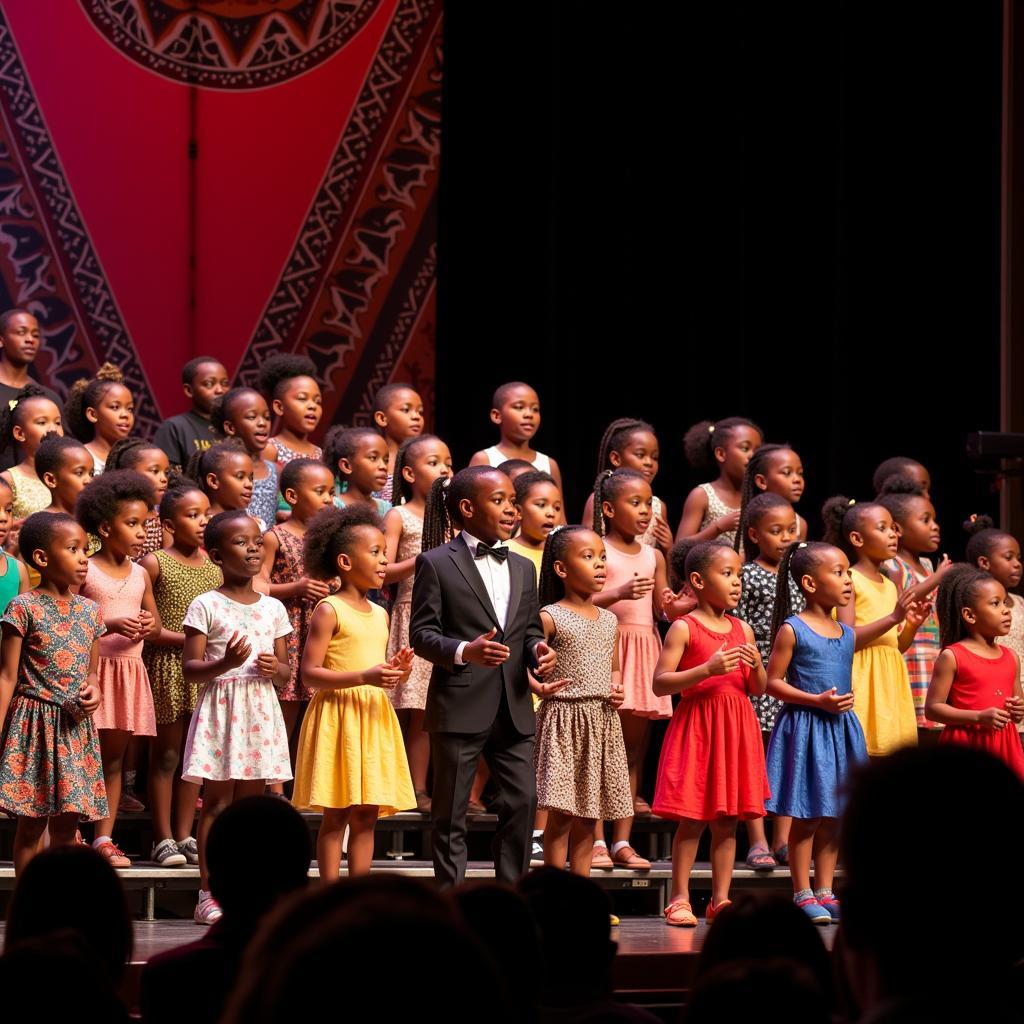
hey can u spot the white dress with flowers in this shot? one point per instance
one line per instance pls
(237, 730)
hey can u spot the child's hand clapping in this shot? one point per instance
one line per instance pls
(237, 651)
(674, 605)
(725, 659)
(147, 624)
(403, 660)
(384, 675)
(128, 626)
(993, 718)
(663, 534)
(1015, 708)
(834, 702)
(750, 654)
(617, 696)
(917, 612)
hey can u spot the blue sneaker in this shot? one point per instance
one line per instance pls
(831, 904)
(814, 910)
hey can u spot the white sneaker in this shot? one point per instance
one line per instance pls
(207, 909)
(190, 848)
(537, 853)
(167, 855)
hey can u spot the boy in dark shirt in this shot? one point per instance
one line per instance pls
(204, 380)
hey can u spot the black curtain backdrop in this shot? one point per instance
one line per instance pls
(678, 211)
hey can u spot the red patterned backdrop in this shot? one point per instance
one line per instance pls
(235, 177)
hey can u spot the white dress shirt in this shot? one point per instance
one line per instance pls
(496, 580)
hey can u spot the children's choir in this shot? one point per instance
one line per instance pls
(260, 608)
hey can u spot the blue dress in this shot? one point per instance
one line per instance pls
(812, 752)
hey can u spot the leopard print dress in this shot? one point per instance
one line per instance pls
(580, 756)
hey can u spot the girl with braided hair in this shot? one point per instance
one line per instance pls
(632, 444)
(865, 533)
(420, 461)
(976, 690)
(998, 552)
(582, 771)
(772, 469)
(637, 580)
(914, 515)
(817, 740)
(150, 460)
(725, 447)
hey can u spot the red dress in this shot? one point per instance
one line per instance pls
(712, 759)
(982, 683)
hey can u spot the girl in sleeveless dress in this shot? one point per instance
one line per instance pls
(771, 530)
(998, 553)
(23, 426)
(351, 763)
(976, 689)
(308, 487)
(866, 534)
(712, 509)
(711, 771)
(420, 461)
(636, 581)
(515, 410)
(115, 507)
(398, 414)
(772, 469)
(288, 382)
(914, 514)
(242, 413)
(178, 573)
(632, 444)
(817, 739)
(582, 771)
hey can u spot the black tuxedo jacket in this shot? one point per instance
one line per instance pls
(450, 604)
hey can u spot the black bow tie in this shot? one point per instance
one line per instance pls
(483, 550)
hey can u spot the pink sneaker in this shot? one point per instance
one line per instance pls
(207, 909)
(115, 856)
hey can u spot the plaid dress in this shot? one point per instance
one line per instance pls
(922, 654)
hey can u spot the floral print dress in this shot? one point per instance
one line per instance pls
(49, 750)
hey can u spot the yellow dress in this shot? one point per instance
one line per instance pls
(351, 749)
(881, 687)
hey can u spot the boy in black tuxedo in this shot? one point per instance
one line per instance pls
(475, 616)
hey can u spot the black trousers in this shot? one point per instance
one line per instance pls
(509, 755)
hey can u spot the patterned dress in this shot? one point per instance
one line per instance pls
(263, 504)
(289, 567)
(177, 586)
(237, 730)
(30, 493)
(715, 510)
(284, 456)
(413, 692)
(756, 607)
(49, 752)
(922, 654)
(154, 536)
(127, 701)
(1015, 638)
(580, 755)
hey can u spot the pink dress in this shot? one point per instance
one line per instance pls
(639, 643)
(126, 699)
